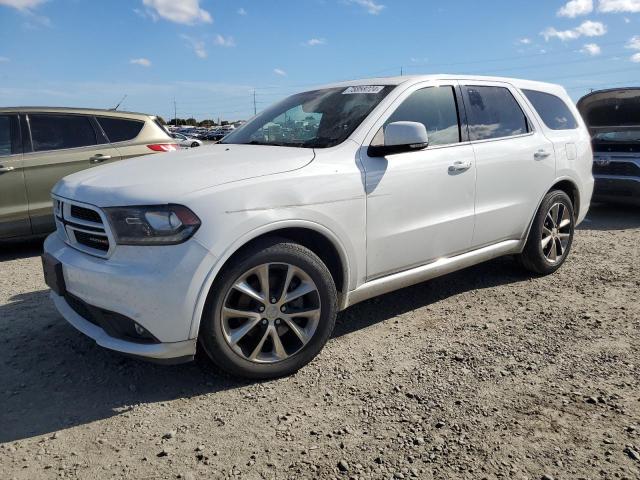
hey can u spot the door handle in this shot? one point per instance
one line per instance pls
(99, 158)
(459, 166)
(541, 154)
(6, 169)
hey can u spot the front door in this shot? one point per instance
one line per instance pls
(62, 144)
(420, 204)
(14, 209)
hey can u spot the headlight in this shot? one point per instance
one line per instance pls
(152, 225)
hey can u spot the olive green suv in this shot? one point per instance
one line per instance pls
(39, 146)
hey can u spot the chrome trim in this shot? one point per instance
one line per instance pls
(66, 231)
(598, 176)
(434, 269)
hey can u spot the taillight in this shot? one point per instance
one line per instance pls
(164, 147)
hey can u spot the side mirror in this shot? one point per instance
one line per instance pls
(401, 137)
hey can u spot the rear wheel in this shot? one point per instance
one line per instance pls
(551, 234)
(195, 144)
(270, 312)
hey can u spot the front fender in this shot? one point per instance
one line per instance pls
(344, 250)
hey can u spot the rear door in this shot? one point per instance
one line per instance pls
(14, 209)
(61, 144)
(515, 162)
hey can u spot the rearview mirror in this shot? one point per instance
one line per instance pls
(401, 137)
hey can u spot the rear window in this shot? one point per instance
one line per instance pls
(5, 135)
(554, 112)
(120, 129)
(55, 132)
(494, 113)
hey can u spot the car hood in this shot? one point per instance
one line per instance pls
(165, 177)
(607, 109)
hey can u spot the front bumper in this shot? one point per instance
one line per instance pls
(157, 287)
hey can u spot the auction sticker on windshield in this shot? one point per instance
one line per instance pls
(363, 89)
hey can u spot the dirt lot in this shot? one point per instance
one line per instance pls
(485, 373)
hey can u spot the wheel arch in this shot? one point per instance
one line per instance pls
(317, 238)
(568, 186)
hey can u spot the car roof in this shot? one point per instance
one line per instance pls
(411, 79)
(85, 111)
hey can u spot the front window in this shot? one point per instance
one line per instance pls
(316, 119)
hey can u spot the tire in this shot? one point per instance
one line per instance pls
(544, 236)
(195, 144)
(287, 264)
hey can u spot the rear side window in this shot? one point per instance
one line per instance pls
(5, 135)
(494, 113)
(554, 112)
(55, 132)
(436, 109)
(120, 129)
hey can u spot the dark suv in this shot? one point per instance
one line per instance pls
(613, 119)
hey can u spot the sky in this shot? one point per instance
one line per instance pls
(210, 56)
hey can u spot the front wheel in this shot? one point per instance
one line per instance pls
(270, 312)
(195, 144)
(551, 234)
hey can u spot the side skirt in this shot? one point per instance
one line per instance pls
(434, 269)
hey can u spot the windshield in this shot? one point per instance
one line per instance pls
(316, 119)
(618, 136)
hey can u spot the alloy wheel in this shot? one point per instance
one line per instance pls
(270, 312)
(556, 233)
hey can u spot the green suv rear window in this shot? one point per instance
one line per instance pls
(120, 129)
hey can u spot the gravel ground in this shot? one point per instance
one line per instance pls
(485, 373)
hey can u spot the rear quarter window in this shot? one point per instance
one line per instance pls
(120, 129)
(554, 112)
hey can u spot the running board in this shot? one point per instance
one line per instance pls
(435, 269)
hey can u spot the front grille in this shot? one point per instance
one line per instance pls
(85, 214)
(92, 240)
(83, 227)
(617, 168)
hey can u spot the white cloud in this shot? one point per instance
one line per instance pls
(369, 5)
(617, 6)
(634, 43)
(279, 71)
(314, 42)
(242, 11)
(187, 12)
(575, 8)
(22, 4)
(585, 29)
(4, 59)
(198, 46)
(524, 41)
(143, 62)
(592, 49)
(627, 20)
(222, 41)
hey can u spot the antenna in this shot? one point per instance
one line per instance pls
(254, 102)
(119, 103)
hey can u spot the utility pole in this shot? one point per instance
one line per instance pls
(255, 110)
(401, 71)
(175, 116)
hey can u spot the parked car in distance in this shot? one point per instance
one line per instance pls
(613, 119)
(326, 199)
(185, 141)
(40, 145)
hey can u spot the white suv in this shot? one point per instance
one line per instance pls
(326, 199)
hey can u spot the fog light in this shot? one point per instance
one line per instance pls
(140, 330)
